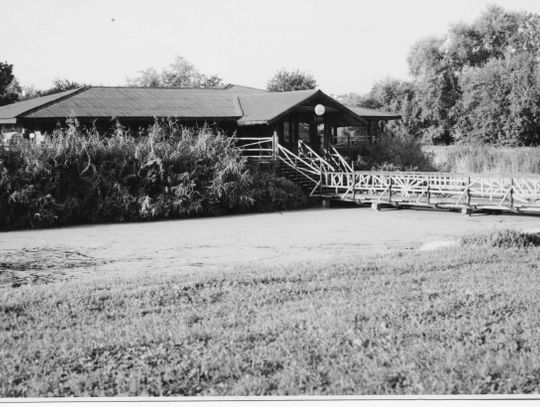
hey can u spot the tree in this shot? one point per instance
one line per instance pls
(393, 96)
(180, 73)
(399, 97)
(501, 102)
(61, 85)
(493, 35)
(436, 89)
(9, 87)
(496, 63)
(58, 85)
(284, 81)
(469, 85)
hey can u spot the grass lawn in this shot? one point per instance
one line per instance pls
(455, 320)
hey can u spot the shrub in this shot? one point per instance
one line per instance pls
(79, 176)
(394, 152)
(272, 192)
(503, 238)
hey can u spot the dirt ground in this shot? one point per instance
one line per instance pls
(221, 242)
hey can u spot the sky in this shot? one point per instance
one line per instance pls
(347, 45)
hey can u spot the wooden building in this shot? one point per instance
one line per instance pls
(310, 115)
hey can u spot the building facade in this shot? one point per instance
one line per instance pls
(309, 115)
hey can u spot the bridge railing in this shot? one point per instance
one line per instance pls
(334, 177)
(439, 189)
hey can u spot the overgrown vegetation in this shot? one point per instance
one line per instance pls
(457, 322)
(479, 83)
(503, 239)
(393, 152)
(180, 73)
(80, 176)
(9, 86)
(273, 192)
(58, 85)
(485, 159)
(285, 81)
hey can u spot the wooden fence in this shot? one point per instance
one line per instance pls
(256, 147)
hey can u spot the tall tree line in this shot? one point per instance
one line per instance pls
(480, 83)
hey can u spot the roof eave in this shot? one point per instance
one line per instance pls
(353, 115)
(215, 118)
(252, 122)
(319, 92)
(385, 118)
(290, 109)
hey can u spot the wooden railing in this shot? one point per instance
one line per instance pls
(256, 147)
(307, 153)
(303, 166)
(337, 159)
(434, 189)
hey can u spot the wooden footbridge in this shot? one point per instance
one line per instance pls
(330, 177)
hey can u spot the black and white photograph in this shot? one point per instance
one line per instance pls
(279, 201)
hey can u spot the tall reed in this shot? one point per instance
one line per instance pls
(486, 159)
(80, 176)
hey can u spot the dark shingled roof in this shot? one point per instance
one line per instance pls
(13, 110)
(145, 102)
(262, 108)
(245, 105)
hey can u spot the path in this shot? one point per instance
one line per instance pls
(275, 238)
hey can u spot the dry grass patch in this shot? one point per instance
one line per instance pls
(486, 159)
(43, 265)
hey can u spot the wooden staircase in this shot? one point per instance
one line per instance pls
(306, 168)
(285, 171)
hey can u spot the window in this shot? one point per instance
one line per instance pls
(286, 133)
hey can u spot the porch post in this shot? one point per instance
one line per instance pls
(327, 133)
(275, 141)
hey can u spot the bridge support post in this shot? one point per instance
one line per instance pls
(466, 210)
(326, 203)
(468, 190)
(353, 176)
(376, 206)
(320, 180)
(512, 193)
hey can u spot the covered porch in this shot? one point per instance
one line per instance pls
(317, 121)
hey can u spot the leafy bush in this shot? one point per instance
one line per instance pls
(394, 152)
(284, 81)
(272, 192)
(80, 176)
(503, 238)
